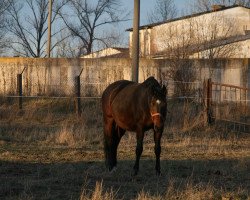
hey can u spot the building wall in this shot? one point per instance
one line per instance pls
(194, 30)
(57, 76)
(145, 42)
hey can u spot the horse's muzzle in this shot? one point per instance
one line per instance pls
(158, 128)
(158, 121)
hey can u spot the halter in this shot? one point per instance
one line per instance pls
(155, 114)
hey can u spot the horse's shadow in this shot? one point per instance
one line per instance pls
(69, 180)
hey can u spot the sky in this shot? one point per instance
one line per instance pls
(147, 5)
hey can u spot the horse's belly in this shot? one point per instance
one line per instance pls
(125, 123)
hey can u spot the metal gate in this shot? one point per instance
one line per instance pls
(229, 105)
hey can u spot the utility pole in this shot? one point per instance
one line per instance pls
(135, 42)
(49, 29)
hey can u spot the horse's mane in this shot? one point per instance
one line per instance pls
(154, 87)
(151, 81)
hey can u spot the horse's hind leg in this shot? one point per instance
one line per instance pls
(112, 136)
(108, 126)
(118, 133)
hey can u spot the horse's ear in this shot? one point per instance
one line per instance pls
(164, 90)
(160, 82)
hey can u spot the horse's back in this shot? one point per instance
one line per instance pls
(110, 93)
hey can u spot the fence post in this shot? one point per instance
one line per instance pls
(209, 101)
(78, 95)
(204, 101)
(20, 90)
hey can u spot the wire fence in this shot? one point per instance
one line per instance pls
(188, 102)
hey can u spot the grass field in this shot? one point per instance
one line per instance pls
(46, 152)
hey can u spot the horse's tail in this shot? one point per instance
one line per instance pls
(106, 149)
(109, 147)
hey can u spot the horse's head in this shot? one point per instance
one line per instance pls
(158, 105)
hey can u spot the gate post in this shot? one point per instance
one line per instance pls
(77, 83)
(78, 95)
(209, 101)
(20, 90)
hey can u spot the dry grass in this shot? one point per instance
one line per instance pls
(98, 193)
(46, 152)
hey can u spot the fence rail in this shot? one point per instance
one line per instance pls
(228, 92)
(229, 105)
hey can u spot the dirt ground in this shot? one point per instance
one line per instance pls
(54, 155)
(208, 169)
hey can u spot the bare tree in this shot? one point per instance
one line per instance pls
(175, 39)
(174, 42)
(73, 48)
(29, 24)
(206, 5)
(197, 37)
(4, 4)
(215, 37)
(68, 48)
(112, 38)
(198, 34)
(163, 10)
(84, 19)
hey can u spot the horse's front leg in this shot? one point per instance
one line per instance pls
(157, 139)
(139, 149)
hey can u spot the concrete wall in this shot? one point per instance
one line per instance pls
(56, 76)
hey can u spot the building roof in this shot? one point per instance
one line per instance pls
(148, 26)
(124, 53)
(195, 48)
(220, 42)
(121, 52)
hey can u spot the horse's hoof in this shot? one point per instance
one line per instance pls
(135, 173)
(113, 170)
(134, 176)
(158, 173)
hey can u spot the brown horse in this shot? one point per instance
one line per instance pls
(129, 106)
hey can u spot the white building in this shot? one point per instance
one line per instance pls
(223, 32)
(115, 52)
